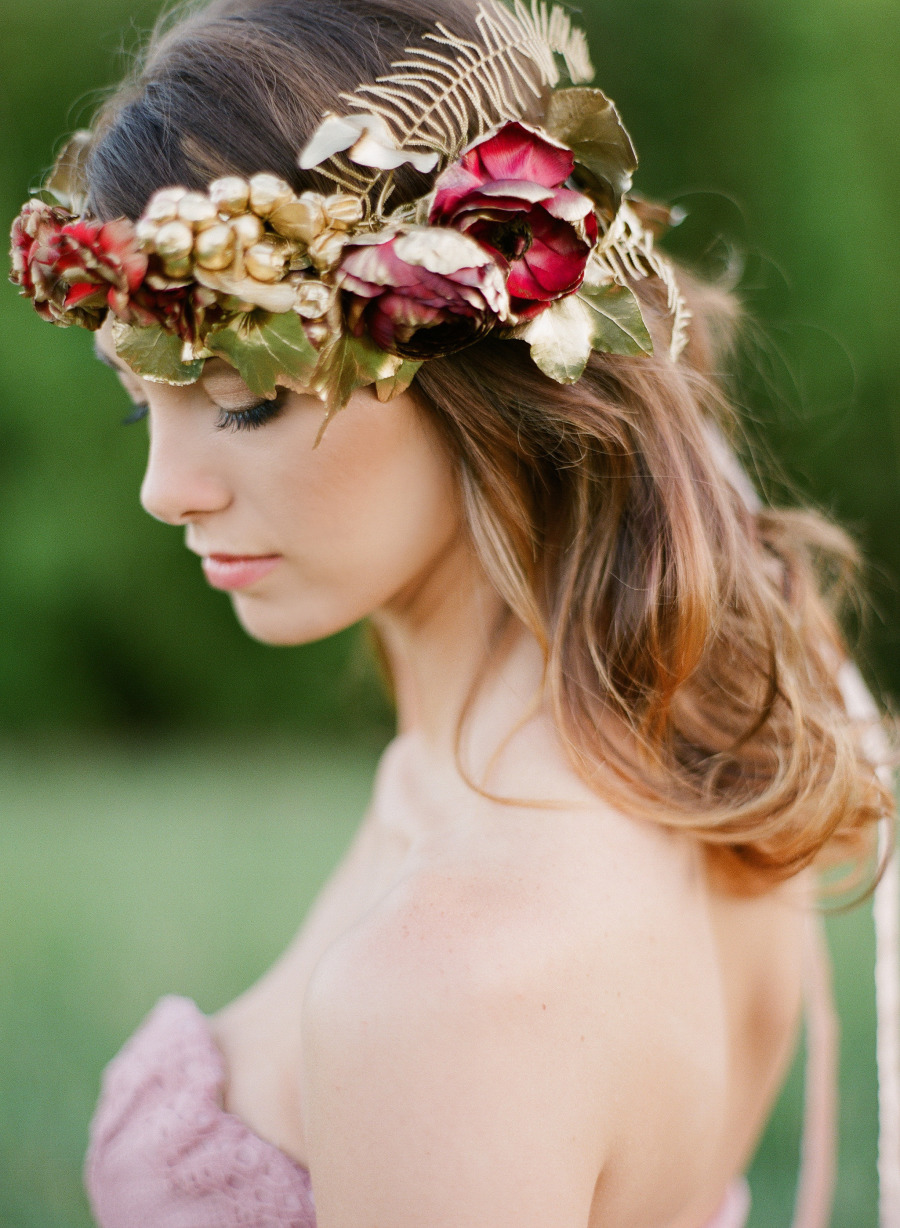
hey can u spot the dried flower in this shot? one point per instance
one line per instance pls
(197, 210)
(248, 229)
(268, 193)
(302, 219)
(265, 262)
(214, 248)
(163, 205)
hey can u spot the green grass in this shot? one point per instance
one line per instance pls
(127, 873)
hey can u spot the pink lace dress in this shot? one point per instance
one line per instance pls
(164, 1154)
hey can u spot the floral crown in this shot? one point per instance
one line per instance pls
(528, 232)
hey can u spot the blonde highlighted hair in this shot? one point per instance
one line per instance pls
(692, 650)
(691, 635)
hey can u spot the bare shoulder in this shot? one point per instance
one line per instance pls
(452, 1072)
(516, 897)
(498, 1012)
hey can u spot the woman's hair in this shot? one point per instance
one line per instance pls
(691, 641)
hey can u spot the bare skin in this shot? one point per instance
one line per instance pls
(538, 1015)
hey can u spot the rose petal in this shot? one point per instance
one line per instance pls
(439, 250)
(546, 274)
(80, 292)
(517, 152)
(450, 187)
(569, 206)
(518, 189)
(423, 291)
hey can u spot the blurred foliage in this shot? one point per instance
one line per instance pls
(772, 121)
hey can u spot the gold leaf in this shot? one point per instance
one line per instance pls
(617, 325)
(393, 385)
(67, 179)
(627, 253)
(449, 90)
(266, 349)
(588, 123)
(604, 318)
(560, 339)
(350, 363)
(154, 354)
(279, 296)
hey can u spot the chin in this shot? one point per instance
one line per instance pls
(271, 623)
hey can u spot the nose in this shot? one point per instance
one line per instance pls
(182, 482)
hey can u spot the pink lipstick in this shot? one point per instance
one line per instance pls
(233, 571)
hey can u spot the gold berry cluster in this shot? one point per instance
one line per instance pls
(244, 231)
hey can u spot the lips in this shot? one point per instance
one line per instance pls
(235, 571)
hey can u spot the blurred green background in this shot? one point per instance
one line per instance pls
(772, 121)
(171, 792)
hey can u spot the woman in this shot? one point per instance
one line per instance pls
(556, 980)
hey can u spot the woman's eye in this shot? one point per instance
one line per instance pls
(253, 416)
(138, 414)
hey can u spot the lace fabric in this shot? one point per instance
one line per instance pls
(164, 1152)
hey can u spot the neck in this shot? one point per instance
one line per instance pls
(454, 653)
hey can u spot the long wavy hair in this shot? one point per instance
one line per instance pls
(692, 640)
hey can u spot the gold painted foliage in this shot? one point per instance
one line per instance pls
(451, 90)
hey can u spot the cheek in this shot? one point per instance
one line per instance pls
(363, 517)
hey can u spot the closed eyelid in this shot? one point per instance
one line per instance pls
(226, 389)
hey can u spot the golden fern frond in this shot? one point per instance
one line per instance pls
(627, 253)
(451, 90)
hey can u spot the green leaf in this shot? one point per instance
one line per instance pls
(266, 349)
(391, 386)
(588, 122)
(617, 325)
(155, 354)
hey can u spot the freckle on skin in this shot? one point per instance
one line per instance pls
(543, 1006)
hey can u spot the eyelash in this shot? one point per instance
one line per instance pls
(253, 417)
(249, 419)
(138, 414)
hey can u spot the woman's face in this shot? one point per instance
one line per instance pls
(307, 540)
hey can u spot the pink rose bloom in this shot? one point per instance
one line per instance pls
(422, 291)
(506, 191)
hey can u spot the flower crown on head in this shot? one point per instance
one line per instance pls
(529, 232)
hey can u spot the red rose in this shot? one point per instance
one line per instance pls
(422, 291)
(506, 192)
(75, 270)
